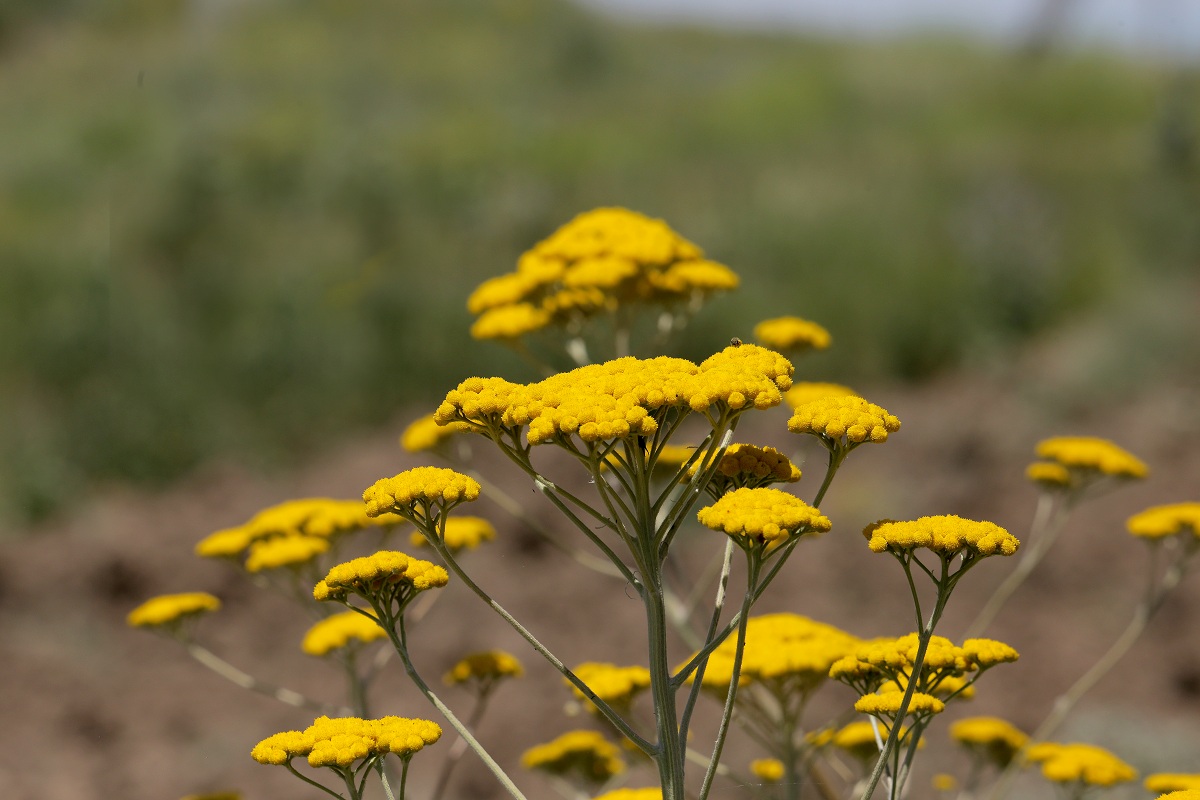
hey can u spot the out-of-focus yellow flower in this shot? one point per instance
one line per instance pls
(1186, 794)
(1049, 475)
(484, 668)
(946, 535)
(510, 322)
(803, 392)
(843, 422)
(762, 517)
(791, 333)
(650, 793)
(310, 516)
(1090, 453)
(617, 686)
(462, 533)
(1159, 522)
(770, 770)
(426, 434)
(995, 739)
(944, 782)
(284, 551)
(1172, 782)
(167, 610)
(337, 631)
(583, 754)
(1079, 763)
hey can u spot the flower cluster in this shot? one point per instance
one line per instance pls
(757, 518)
(341, 741)
(1172, 782)
(600, 261)
(621, 398)
(791, 333)
(1079, 764)
(946, 535)
(462, 533)
(650, 793)
(1160, 522)
(170, 610)
(416, 492)
(804, 392)
(769, 770)
(384, 578)
(995, 740)
(749, 466)
(843, 421)
(617, 686)
(339, 631)
(484, 668)
(583, 754)
(1089, 457)
(425, 434)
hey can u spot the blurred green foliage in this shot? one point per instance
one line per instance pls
(239, 229)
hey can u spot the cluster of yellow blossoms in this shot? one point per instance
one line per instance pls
(484, 668)
(620, 398)
(462, 533)
(803, 392)
(652, 793)
(341, 741)
(747, 466)
(616, 686)
(339, 631)
(791, 333)
(291, 533)
(583, 754)
(769, 770)
(757, 518)
(169, 610)
(387, 575)
(843, 421)
(946, 535)
(602, 260)
(1160, 522)
(420, 489)
(426, 434)
(1172, 782)
(1073, 462)
(1079, 764)
(995, 740)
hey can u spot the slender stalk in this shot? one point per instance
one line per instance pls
(459, 747)
(311, 782)
(247, 681)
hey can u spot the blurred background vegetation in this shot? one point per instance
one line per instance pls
(240, 229)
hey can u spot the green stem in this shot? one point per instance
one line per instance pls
(311, 782)
(459, 747)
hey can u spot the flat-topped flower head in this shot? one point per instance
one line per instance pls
(484, 669)
(803, 392)
(426, 434)
(1173, 782)
(887, 705)
(416, 491)
(947, 535)
(1079, 763)
(341, 741)
(987, 653)
(768, 770)
(225, 543)
(462, 533)
(384, 578)
(1185, 794)
(172, 611)
(842, 422)
(309, 516)
(1092, 454)
(995, 739)
(690, 280)
(1049, 475)
(650, 793)
(749, 466)
(278, 552)
(510, 322)
(617, 686)
(582, 754)
(762, 517)
(1160, 522)
(791, 333)
(339, 631)
(787, 653)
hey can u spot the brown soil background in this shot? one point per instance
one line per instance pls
(92, 709)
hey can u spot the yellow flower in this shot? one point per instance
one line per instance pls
(985, 653)
(651, 793)
(791, 333)
(887, 705)
(749, 466)
(168, 609)
(769, 770)
(426, 434)
(858, 739)
(998, 740)
(1172, 782)
(1089, 453)
(617, 686)
(341, 741)
(1049, 474)
(946, 535)
(484, 668)
(1186, 794)
(509, 322)
(310, 516)
(806, 392)
(1079, 763)
(944, 782)
(284, 551)
(584, 754)
(227, 543)
(462, 533)
(387, 572)
(762, 517)
(434, 486)
(785, 651)
(687, 278)
(843, 422)
(338, 631)
(1159, 522)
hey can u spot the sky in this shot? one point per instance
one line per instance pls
(1166, 27)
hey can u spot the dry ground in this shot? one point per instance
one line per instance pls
(93, 710)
